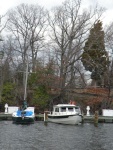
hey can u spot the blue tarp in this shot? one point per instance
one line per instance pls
(18, 113)
(29, 113)
(25, 113)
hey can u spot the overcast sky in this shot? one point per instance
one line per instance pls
(108, 4)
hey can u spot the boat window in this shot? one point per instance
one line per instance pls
(76, 107)
(56, 109)
(63, 109)
(70, 109)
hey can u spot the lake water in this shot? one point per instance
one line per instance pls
(37, 136)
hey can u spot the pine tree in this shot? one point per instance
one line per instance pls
(95, 57)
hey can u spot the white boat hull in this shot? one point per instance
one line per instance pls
(69, 119)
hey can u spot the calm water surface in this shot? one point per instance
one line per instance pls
(55, 136)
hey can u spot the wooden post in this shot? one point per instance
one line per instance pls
(46, 116)
(82, 118)
(96, 118)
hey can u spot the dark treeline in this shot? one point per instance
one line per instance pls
(61, 46)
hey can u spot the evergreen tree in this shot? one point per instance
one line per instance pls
(95, 57)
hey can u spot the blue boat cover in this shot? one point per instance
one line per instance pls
(25, 113)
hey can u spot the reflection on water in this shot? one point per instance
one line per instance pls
(55, 136)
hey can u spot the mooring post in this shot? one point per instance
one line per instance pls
(82, 118)
(46, 116)
(96, 118)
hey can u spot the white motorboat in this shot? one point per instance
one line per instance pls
(65, 114)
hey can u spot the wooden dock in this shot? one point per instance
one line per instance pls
(3, 116)
(101, 119)
(86, 119)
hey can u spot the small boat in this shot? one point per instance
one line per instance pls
(65, 114)
(24, 116)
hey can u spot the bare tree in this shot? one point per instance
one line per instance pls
(3, 23)
(27, 23)
(70, 26)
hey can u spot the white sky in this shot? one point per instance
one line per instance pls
(7, 4)
(108, 4)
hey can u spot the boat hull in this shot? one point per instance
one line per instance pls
(65, 119)
(23, 120)
(26, 116)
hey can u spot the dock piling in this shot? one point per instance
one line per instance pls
(96, 118)
(46, 116)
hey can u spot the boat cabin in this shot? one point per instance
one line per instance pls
(64, 109)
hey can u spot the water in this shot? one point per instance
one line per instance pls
(37, 136)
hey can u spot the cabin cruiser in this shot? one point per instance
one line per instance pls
(65, 114)
(24, 116)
